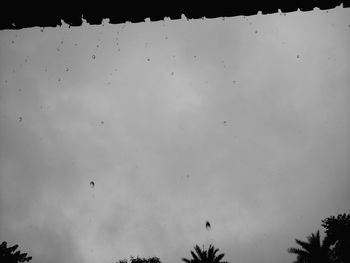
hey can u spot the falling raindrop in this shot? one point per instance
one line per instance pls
(93, 56)
(92, 184)
(207, 225)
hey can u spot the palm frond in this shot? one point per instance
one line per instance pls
(186, 260)
(303, 244)
(298, 251)
(218, 258)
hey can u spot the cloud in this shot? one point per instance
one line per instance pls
(244, 134)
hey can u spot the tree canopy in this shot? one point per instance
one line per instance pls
(337, 231)
(10, 255)
(205, 256)
(140, 260)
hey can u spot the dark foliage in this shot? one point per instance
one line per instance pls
(10, 255)
(311, 251)
(337, 231)
(140, 260)
(205, 256)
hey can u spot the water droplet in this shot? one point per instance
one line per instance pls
(92, 184)
(93, 56)
(207, 225)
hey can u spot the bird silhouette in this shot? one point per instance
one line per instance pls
(207, 225)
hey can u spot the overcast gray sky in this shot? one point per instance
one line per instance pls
(242, 121)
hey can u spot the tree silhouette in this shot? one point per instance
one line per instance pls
(8, 254)
(338, 236)
(140, 260)
(312, 251)
(205, 256)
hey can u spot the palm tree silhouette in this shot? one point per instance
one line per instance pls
(312, 251)
(205, 256)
